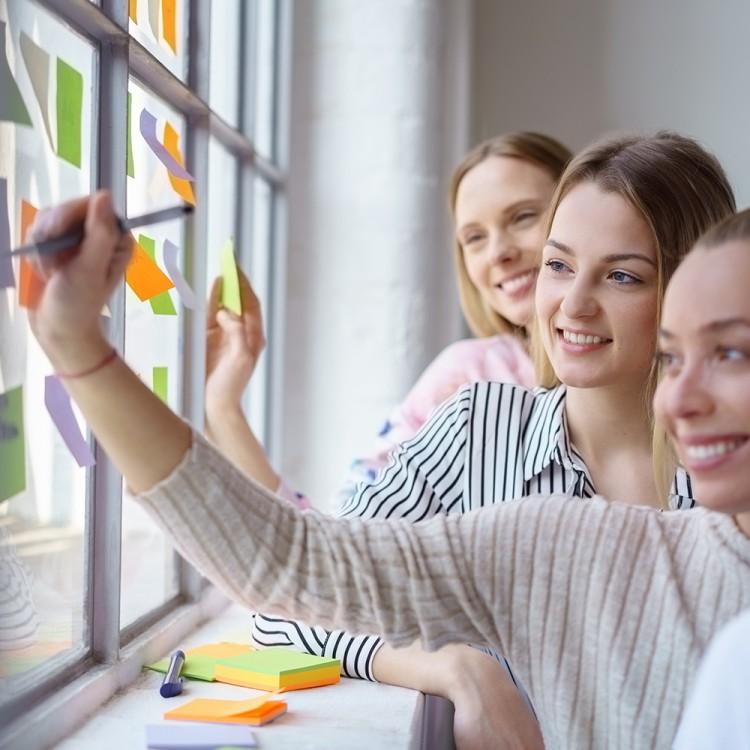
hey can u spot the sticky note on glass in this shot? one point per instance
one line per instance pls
(187, 295)
(30, 285)
(12, 105)
(274, 668)
(162, 303)
(230, 280)
(12, 444)
(58, 405)
(129, 163)
(169, 157)
(169, 23)
(200, 662)
(183, 188)
(255, 711)
(144, 277)
(69, 112)
(160, 383)
(37, 64)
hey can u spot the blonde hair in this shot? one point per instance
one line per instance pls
(680, 190)
(734, 228)
(535, 148)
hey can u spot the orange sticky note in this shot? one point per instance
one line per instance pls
(169, 23)
(221, 650)
(30, 286)
(183, 188)
(144, 277)
(254, 711)
(133, 11)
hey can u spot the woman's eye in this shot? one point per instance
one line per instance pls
(729, 354)
(556, 266)
(525, 216)
(666, 360)
(622, 277)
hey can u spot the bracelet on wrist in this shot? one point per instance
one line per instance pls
(91, 370)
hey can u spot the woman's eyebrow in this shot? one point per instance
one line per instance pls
(612, 258)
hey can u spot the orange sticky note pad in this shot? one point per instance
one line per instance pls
(144, 277)
(255, 711)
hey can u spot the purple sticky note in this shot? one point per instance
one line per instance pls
(148, 131)
(187, 295)
(58, 405)
(7, 279)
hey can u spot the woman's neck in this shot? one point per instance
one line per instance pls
(611, 431)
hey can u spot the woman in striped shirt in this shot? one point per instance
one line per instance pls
(626, 210)
(498, 196)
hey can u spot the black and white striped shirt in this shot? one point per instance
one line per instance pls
(490, 443)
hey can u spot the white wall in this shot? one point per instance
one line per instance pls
(371, 298)
(579, 68)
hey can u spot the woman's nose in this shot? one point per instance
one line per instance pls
(579, 300)
(503, 247)
(684, 394)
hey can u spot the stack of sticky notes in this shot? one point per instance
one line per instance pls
(275, 668)
(255, 711)
(200, 662)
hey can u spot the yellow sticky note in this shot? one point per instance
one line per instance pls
(144, 277)
(133, 10)
(183, 188)
(254, 711)
(230, 281)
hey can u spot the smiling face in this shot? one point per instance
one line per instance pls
(597, 293)
(703, 397)
(499, 209)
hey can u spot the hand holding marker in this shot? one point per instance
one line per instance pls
(71, 239)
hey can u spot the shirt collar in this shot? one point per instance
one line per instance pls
(546, 437)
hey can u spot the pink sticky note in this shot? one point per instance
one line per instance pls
(58, 405)
(187, 295)
(148, 131)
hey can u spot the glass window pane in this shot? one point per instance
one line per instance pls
(45, 156)
(225, 60)
(153, 327)
(161, 27)
(221, 209)
(265, 75)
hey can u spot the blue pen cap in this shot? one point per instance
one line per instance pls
(172, 683)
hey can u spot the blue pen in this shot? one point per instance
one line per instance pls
(172, 683)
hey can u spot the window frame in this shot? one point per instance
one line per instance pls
(73, 686)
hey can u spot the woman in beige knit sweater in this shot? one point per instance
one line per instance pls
(603, 609)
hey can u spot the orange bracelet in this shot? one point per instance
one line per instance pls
(73, 375)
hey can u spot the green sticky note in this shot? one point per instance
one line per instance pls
(278, 661)
(69, 112)
(162, 303)
(12, 106)
(196, 667)
(130, 164)
(230, 281)
(160, 383)
(12, 444)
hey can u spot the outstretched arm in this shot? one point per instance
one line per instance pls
(233, 345)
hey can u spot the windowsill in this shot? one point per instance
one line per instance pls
(352, 713)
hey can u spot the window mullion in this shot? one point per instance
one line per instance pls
(105, 528)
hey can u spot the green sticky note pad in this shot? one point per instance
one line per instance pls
(230, 281)
(12, 444)
(162, 303)
(69, 112)
(160, 383)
